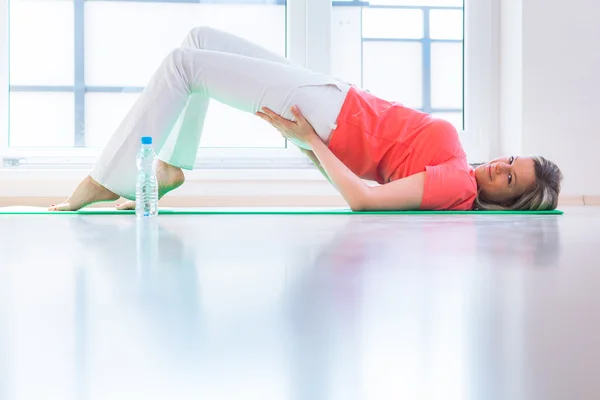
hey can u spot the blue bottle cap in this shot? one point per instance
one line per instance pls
(146, 140)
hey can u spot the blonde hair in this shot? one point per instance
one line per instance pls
(543, 196)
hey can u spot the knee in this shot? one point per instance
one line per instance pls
(200, 33)
(177, 62)
(176, 56)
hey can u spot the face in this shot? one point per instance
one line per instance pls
(505, 179)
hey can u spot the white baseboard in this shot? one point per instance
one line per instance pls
(302, 188)
(208, 201)
(591, 200)
(248, 201)
(202, 189)
(571, 201)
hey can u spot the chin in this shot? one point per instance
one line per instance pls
(478, 173)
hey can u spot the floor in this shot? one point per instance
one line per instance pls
(300, 307)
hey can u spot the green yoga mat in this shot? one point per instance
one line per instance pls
(261, 211)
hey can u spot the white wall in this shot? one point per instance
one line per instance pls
(558, 86)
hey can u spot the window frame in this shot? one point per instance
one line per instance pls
(481, 72)
(4, 77)
(310, 48)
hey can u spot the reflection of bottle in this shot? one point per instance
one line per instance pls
(147, 244)
(146, 197)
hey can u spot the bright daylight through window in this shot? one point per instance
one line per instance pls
(71, 86)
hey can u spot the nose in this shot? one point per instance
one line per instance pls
(500, 167)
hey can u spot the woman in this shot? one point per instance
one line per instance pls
(347, 133)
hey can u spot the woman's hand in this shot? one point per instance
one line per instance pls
(300, 129)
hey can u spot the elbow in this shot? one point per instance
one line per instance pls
(357, 207)
(360, 204)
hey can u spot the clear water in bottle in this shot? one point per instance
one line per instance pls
(146, 198)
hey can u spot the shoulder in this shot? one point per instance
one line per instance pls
(449, 187)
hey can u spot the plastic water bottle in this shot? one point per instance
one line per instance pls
(146, 197)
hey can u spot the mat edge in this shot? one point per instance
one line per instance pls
(299, 212)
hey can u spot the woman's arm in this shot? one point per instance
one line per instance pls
(403, 194)
(315, 162)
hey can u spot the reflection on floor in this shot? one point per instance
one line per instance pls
(300, 307)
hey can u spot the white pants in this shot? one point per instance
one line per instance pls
(217, 65)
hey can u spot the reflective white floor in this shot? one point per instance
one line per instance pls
(300, 307)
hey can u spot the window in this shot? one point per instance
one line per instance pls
(104, 52)
(68, 96)
(415, 52)
(409, 51)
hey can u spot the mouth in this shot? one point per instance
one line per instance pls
(489, 169)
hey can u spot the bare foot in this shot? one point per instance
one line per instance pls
(89, 191)
(169, 178)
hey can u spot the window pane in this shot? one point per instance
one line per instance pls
(455, 119)
(103, 115)
(446, 75)
(446, 24)
(392, 23)
(394, 71)
(227, 128)
(126, 42)
(41, 42)
(346, 49)
(41, 119)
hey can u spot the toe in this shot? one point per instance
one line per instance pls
(62, 207)
(128, 205)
